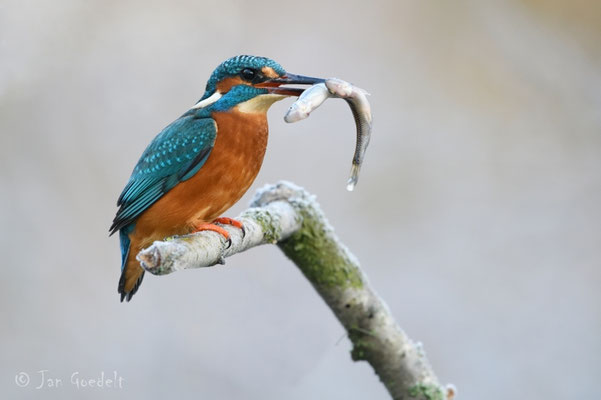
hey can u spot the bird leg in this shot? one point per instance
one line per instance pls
(214, 228)
(232, 222)
(220, 230)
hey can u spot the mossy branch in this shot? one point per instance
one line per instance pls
(287, 215)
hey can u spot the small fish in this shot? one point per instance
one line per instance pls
(357, 100)
(308, 101)
(314, 96)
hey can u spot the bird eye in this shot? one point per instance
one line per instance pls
(248, 74)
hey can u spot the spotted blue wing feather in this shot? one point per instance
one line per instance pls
(175, 155)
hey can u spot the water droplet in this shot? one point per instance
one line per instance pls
(352, 181)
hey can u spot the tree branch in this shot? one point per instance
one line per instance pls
(287, 215)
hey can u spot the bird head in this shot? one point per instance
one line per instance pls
(250, 83)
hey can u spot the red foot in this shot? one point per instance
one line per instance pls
(232, 222)
(214, 228)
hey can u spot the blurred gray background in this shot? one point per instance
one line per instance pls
(477, 216)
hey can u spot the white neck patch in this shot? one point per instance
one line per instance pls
(208, 101)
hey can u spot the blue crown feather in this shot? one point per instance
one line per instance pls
(234, 65)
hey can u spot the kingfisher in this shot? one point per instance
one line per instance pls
(203, 162)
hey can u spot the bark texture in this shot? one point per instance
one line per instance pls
(286, 215)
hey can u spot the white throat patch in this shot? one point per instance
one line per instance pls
(260, 103)
(208, 101)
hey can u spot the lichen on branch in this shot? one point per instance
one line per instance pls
(287, 215)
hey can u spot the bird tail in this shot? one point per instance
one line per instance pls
(131, 271)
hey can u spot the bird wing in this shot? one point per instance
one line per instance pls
(176, 154)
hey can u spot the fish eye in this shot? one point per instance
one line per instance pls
(248, 74)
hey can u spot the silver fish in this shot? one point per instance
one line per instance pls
(314, 96)
(308, 101)
(357, 100)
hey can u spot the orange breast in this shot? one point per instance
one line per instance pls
(227, 174)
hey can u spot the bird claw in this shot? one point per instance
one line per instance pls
(215, 228)
(232, 222)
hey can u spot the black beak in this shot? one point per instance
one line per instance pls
(273, 85)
